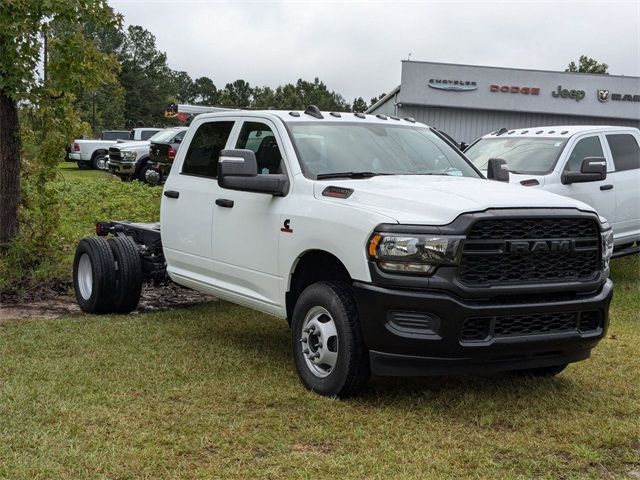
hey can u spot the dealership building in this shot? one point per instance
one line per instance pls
(467, 101)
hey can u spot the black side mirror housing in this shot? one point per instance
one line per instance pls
(593, 169)
(238, 170)
(497, 170)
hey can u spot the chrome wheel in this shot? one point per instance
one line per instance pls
(85, 276)
(101, 163)
(319, 342)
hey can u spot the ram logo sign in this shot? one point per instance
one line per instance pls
(521, 247)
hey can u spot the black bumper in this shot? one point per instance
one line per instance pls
(426, 332)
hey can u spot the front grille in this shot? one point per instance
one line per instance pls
(507, 251)
(114, 154)
(480, 329)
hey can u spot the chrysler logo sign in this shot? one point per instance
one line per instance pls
(453, 85)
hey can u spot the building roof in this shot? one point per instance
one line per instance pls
(383, 100)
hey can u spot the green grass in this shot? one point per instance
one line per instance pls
(210, 392)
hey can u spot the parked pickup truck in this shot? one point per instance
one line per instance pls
(598, 165)
(93, 153)
(386, 250)
(162, 153)
(131, 159)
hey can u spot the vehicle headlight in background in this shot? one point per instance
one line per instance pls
(607, 250)
(414, 253)
(129, 156)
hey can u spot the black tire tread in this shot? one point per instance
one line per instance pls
(103, 266)
(357, 358)
(128, 274)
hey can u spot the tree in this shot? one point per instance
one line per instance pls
(204, 91)
(24, 36)
(237, 94)
(145, 77)
(182, 87)
(375, 100)
(359, 105)
(588, 65)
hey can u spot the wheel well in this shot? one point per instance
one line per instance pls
(313, 266)
(98, 152)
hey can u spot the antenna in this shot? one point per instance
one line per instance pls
(409, 57)
(313, 111)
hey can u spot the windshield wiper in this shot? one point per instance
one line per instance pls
(355, 175)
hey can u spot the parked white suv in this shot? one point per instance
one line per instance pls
(385, 249)
(552, 159)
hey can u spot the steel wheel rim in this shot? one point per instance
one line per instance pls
(319, 342)
(85, 276)
(102, 163)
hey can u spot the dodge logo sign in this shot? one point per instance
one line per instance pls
(540, 246)
(603, 95)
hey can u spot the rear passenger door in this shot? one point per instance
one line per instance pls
(189, 199)
(625, 180)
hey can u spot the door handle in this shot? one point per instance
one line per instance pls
(171, 194)
(606, 187)
(224, 202)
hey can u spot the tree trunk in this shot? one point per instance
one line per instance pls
(9, 168)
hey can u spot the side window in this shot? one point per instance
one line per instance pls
(259, 138)
(587, 147)
(179, 137)
(147, 134)
(625, 151)
(204, 149)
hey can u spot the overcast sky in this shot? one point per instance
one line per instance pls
(356, 47)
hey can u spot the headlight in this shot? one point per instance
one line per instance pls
(410, 253)
(607, 250)
(129, 156)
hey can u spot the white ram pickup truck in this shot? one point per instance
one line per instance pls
(94, 153)
(386, 250)
(598, 165)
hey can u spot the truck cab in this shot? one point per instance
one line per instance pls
(385, 249)
(551, 159)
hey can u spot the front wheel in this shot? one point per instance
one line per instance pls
(329, 352)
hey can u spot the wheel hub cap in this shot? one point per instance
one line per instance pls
(319, 342)
(85, 276)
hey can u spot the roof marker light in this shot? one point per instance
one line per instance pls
(564, 132)
(539, 132)
(335, 114)
(360, 115)
(294, 114)
(551, 131)
(394, 118)
(313, 111)
(524, 131)
(381, 117)
(410, 119)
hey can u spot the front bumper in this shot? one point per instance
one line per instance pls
(425, 332)
(122, 168)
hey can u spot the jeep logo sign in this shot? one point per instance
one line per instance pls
(520, 247)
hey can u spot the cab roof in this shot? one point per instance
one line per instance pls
(312, 113)
(561, 131)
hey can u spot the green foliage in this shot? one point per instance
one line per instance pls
(44, 249)
(359, 105)
(588, 65)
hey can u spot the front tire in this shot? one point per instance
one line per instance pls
(328, 349)
(94, 275)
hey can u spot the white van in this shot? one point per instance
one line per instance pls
(552, 159)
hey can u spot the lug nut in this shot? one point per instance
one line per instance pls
(305, 351)
(303, 340)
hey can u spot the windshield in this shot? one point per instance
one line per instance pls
(164, 135)
(523, 155)
(327, 148)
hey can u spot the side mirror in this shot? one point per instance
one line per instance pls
(238, 170)
(593, 169)
(497, 170)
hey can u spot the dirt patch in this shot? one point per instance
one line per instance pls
(313, 449)
(53, 304)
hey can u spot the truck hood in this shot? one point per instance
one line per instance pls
(438, 200)
(140, 144)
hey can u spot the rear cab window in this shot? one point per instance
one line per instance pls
(625, 151)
